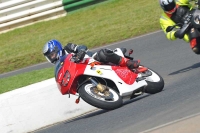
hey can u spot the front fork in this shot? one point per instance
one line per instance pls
(99, 86)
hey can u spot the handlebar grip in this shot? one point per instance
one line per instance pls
(184, 29)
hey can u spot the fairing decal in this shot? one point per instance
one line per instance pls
(125, 74)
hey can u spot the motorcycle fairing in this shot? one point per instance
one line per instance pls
(75, 70)
(125, 74)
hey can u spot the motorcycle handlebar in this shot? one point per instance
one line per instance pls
(184, 29)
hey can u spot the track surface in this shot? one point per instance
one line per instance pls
(180, 68)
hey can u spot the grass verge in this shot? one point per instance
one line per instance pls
(24, 79)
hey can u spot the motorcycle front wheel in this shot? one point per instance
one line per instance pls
(88, 92)
(155, 82)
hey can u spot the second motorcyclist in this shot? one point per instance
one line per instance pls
(178, 11)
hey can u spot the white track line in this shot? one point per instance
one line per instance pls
(170, 123)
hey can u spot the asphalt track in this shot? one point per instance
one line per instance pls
(176, 63)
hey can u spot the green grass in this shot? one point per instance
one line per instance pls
(21, 80)
(95, 26)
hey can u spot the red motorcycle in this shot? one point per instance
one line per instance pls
(105, 85)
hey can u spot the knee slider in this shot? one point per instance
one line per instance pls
(193, 33)
(195, 45)
(196, 50)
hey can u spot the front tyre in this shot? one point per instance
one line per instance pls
(89, 94)
(155, 83)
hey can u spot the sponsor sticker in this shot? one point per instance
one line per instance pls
(99, 72)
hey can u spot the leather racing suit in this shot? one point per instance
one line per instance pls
(183, 10)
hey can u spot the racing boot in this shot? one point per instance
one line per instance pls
(131, 64)
(194, 40)
(194, 46)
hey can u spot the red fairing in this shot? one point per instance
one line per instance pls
(75, 70)
(125, 74)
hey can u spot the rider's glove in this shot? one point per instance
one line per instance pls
(74, 48)
(71, 48)
(79, 56)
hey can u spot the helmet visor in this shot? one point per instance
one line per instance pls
(170, 6)
(52, 56)
(171, 11)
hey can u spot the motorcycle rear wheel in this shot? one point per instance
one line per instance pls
(87, 93)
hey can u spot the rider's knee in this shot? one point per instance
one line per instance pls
(196, 50)
(106, 55)
(195, 45)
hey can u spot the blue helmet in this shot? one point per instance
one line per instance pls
(53, 51)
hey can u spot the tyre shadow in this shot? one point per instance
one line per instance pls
(136, 99)
(194, 66)
(101, 111)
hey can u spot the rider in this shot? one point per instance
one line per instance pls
(177, 11)
(54, 52)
